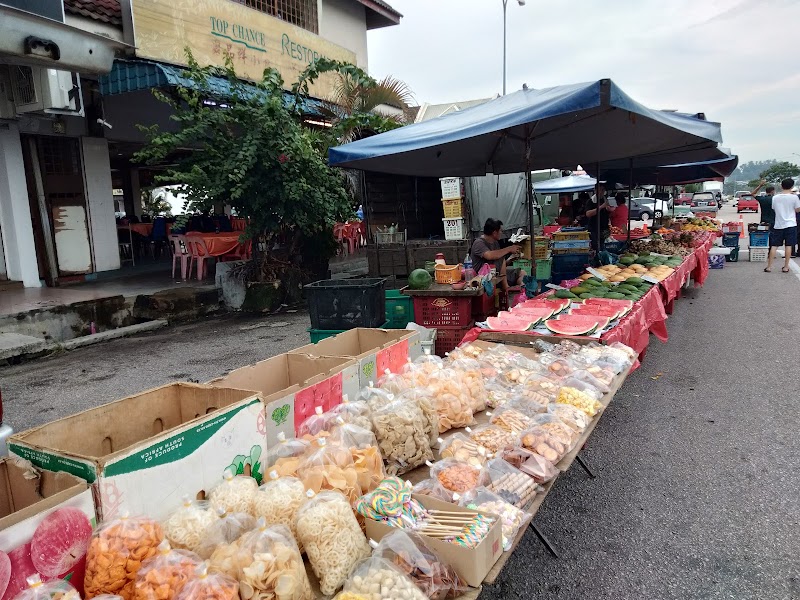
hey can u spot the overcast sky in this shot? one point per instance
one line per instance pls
(736, 60)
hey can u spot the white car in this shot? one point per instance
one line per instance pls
(657, 208)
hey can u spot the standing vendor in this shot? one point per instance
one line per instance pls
(486, 250)
(597, 209)
(619, 216)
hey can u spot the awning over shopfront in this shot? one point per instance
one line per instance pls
(557, 127)
(136, 75)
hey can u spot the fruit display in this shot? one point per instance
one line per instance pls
(663, 244)
(701, 224)
(589, 323)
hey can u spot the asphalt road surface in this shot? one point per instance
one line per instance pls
(696, 495)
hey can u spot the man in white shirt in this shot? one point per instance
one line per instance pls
(786, 206)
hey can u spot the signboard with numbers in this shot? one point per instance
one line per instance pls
(164, 29)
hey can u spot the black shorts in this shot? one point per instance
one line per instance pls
(783, 237)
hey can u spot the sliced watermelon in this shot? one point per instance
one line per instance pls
(510, 324)
(531, 316)
(543, 312)
(597, 322)
(564, 328)
(597, 309)
(627, 305)
(557, 304)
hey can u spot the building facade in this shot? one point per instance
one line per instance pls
(67, 145)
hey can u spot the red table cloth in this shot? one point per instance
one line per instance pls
(217, 243)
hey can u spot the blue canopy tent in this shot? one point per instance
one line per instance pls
(559, 127)
(707, 170)
(565, 185)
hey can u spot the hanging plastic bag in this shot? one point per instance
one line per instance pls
(206, 585)
(400, 429)
(332, 538)
(511, 517)
(530, 463)
(163, 576)
(275, 569)
(228, 528)
(330, 467)
(508, 482)
(57, 589)
(408, 552)
(234, 494)
(462, 448)
(115, 555)
(456, 476)
(285, 456)
(378, 579)
(184, 528)
(278, 500)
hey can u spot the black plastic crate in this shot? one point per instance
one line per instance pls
(346, 303)
(730, 240)
(570, 262)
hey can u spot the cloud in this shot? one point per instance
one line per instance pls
(730, 59)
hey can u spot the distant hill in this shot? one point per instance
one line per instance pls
(751, 170)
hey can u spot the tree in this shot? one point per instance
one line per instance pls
(155, 205)
(780, 171)
(250, 151)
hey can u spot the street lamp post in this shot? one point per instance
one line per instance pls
(505, 5)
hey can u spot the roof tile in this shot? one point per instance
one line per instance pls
(107, 11)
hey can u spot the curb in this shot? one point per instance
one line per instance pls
(104, 336)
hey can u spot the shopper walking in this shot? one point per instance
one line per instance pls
(786, 206)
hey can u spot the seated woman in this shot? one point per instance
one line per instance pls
(486, 250)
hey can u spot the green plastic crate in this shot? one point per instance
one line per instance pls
(317, 335)
(523, 264)
(399, 309)
(544, 267)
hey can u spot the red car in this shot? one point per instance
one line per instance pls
(684, 198)
(747, 202)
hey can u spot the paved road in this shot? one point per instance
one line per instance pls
(697, 487)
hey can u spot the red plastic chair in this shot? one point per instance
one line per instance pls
(351, 235)
(178, 246)
(339, 233)
(197, 252)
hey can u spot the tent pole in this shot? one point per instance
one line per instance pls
(597, 206)
(529, 195)
(630, 198)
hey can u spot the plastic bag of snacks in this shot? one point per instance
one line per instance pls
(351, 436)
(403, 442)
(462, 448)
(116, 553)
(497, 394)
(511, 420)
(330, 467)
(557, 366)
(508, 482)
(581, 386)
(377, 579)
(354, 413)
(420, 371)
(472, 380)
(275, 569)
(184, 528)
(572, 416)
(408, 553)
(492, 437)
(427, 404)
(511, 517)
(332, 538)
(552, 423)
(584, 376)
(285, 456)
(375, 398)
(546, 386)
(234, 494)
(530, 463)
(57, 589)
(469, 351)
(367, 460)
(579, 399)
(315, 424)
(162, 576)
(394, 383)
(226, 529)
(278, 499)
(431, 487)
(529, 402)
(209, 586)
(544, 442)
(453, 404)
(455, 475)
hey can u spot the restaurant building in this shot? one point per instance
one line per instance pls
(63, 157)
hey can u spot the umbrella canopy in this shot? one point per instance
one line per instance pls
(708, 170)
(565, 185)
(558, 127)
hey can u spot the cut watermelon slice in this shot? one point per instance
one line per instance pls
(510, 324)
(564, 328)
(557, 304)
(597, 322)
(626, 304)
(530, 317)
(543, 312)
(596, 309)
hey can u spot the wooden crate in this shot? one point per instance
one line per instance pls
(420, 251)
(387, 260)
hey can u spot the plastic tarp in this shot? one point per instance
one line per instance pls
(497, 197)
(565, 185)
(708, 170)
(556, 127)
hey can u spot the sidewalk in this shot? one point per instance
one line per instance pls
(696, 489)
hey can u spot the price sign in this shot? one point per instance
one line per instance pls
(649, 279)
(553, 286)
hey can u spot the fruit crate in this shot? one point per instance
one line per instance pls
(454, 229)
(448, 338)
(346, 303)
(453, 208)
(317, 335)
(759, 254)
(570, 235)
(730, 240)
(542, 247)
(399, 309)
(483, 306)
(443, 311)
(525, 264)
(759, 239)
(570, 262)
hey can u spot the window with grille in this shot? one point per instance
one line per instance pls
(302, 13)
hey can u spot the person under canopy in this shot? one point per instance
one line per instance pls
(487, 250)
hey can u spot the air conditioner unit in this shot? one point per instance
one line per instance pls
(6, 99)
(37, 89)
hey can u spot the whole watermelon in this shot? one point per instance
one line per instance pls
(419, 279)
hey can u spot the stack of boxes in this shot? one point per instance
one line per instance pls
(731, 240)
(759, 246)
(570, 253)
(454, 221)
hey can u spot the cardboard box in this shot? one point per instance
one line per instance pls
(292, 386)
(471, 564)
(375, 350)
(33, 503)
(144, 453)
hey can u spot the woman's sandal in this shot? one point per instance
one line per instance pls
(767, 270)
(784, 269)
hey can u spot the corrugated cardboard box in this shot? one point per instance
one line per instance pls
(376, 350)
(142, 454)
(471, 564)
(292, 386)
(34, 505)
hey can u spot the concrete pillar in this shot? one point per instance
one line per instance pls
(100, 204)
(15, 213)
(136, 192)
